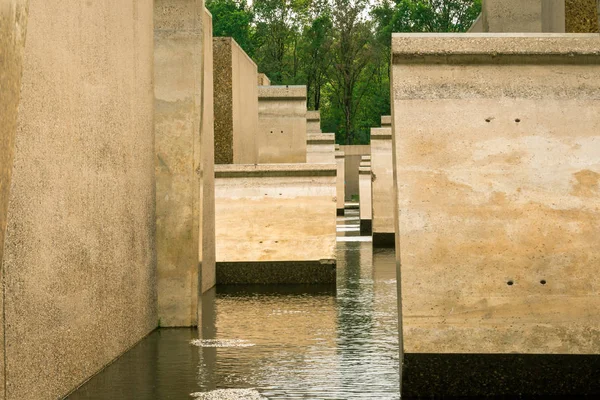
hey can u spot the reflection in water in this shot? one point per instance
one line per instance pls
(315, 342)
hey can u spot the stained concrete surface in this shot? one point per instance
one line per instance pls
(365, 195)
(182, 159)
(499, 193)
(320, 148)
(13, 28)
(275, 213)
(282, 124)
(521, 16)
(382, 186)
(79, 261)
(582, 16)
(236, 104)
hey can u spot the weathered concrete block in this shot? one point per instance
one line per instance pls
(582, 16)
(320, 148)
(276, 223)
(498, 205)
(313, 121)
(386, 121)
(13, 25)
(340, 180)
(383, 186)
(236, 104)
(352, 156)
(282, 124)
(183, 162)
(365, 207)
(263, 80)
(521, 16)
(79, 259)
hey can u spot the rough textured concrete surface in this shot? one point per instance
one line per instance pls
(364, 184)
(236, 104)
(582, 16)
(263, 80)
(282, 124)
(320, 148)
(352, 156)
(79, 261)
(521, 16)
(278, 213)
(313, 121)
(383, 185)
(340, 180)
(206, 243)
(182, 165)
(13, 27)
(498, 196)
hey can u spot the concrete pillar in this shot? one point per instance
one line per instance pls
(320, 148)
(313, 121)
(352, 156)
(365, 207)
(341, 183)
(386, 121)
(498, 205)
(263, 80)
(183, 167)
(79, 260)
(236, 104)
(282, 124)
(13, 27)
(276, 223)
(383, 185)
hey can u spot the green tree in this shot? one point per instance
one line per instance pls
(233, 18)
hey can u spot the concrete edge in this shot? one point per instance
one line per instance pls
(274, 170)
(282, 92)
(276, 272)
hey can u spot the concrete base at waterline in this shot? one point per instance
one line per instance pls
(276, 272)
(366, 227)
(340, 212)
(384, 239)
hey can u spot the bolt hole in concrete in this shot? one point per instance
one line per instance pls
(517, 120)
(510, 283)
(488, 119)
(543, 281)
(337, 341)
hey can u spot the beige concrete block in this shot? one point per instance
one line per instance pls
(313, 121)
(13, 26)
(236, 104)
(498, 194)
(383, 184)
(340, 181)
(352, 156)
(365, 206)
(386, 121)
(206, 240)
(282, 124)
(521, 16)
(79, 261)
(181, 163)
(269, 215)
(263, 80)
(320, 148)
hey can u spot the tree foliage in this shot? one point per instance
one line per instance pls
(339, 49)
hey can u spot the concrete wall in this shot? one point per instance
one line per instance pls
(276, 223)
(498, 194)
(263, 80)
(352, 155)
(364, 183)
(182, 158)
(206, 239)
(13, 27)
(236, 104)
(313, 121)
(383, 185)
(79, 261)
(521, 16)
(340, 180)
(320, 148)
(282, 124)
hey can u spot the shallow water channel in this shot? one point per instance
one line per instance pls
(285, 342)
